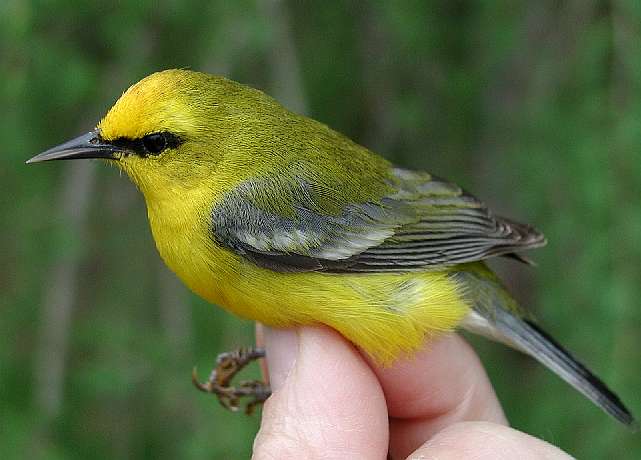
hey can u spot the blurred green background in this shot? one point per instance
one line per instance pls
(533, 106)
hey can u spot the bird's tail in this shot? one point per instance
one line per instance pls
(496, 316)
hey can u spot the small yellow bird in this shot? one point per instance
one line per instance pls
(280, 219)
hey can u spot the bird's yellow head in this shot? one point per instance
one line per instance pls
(185, 136)
(171, 129)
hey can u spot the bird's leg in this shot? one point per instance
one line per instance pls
(219, 382)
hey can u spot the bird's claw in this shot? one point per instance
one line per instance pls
(219, 381)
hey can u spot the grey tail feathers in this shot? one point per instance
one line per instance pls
(529, 338)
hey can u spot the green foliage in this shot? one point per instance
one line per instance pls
(534, 106)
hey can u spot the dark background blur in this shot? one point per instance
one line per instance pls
(533, 106)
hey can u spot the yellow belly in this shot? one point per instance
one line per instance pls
(384, 314)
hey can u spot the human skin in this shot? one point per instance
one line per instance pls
(329, 401)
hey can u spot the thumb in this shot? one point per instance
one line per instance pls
(326, 401)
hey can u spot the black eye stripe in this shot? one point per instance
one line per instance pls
(146, 146)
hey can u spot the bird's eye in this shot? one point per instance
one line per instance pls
(155, 143)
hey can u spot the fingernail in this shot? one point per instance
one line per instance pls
(281, 348)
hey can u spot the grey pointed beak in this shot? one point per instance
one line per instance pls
(89, 145)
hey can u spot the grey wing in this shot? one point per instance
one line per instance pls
(424, 223)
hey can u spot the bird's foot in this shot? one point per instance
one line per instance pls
(219, 382)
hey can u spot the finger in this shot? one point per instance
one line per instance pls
(283, 344)
(486, 441)
(326, 401)
(260, 343)
(440, 385)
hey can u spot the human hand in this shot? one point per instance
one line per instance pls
(329, 401)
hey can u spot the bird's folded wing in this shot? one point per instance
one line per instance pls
(421, 223)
